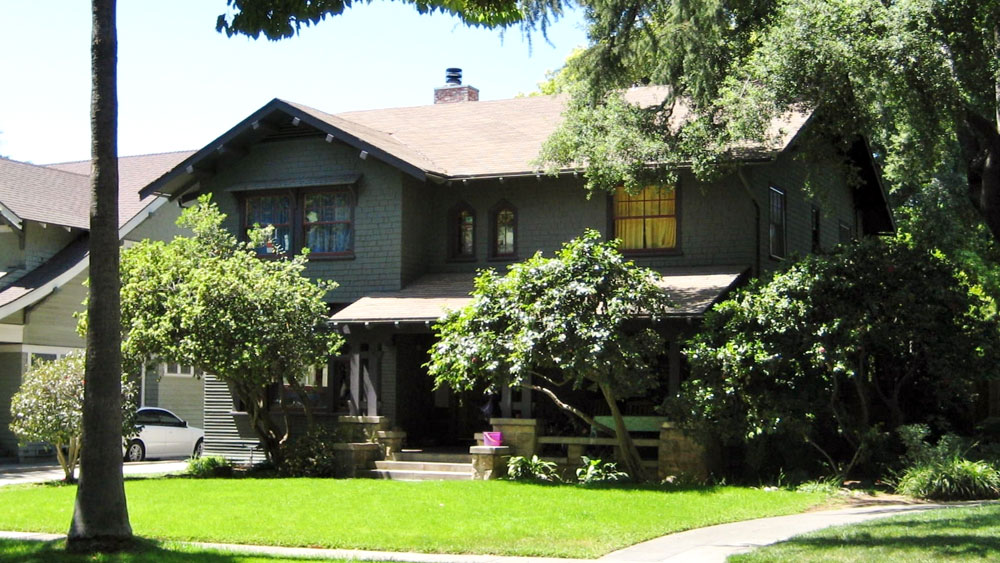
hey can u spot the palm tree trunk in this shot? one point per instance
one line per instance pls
(100, 515)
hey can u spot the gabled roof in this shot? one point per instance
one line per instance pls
(443, 141)
(37, 193)
(59, 194)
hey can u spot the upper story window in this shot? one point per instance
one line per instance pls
(178, 370)
(776, 223)
(320, 220)
(326, 222)
(273, 210)
(462, 228)
(646, 220)
(504, 231)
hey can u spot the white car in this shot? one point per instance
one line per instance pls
(163, 434)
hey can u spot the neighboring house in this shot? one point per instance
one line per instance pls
(401, 206)
(44, 221)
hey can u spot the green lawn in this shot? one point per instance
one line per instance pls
(495, 517)
(954, 534)
(24, 551)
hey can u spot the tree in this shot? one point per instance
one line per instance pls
(839, 349)
(208, 300)
(585, 317)
(917, 78)
(48, 407)
(100, 515)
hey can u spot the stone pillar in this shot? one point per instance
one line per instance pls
(353, 460)
(363, 428)
(679, 454)
(489, 462)
(391, 441)
(521, 434)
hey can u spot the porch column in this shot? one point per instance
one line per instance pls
(506, 402)
(354, 402)
(371, 375)
(674, 363)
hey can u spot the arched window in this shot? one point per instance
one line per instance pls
(503, 231)
(462, 232)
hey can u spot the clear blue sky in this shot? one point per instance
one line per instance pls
(182, 84)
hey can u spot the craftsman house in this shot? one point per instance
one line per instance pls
(44, 221)
(402, 206)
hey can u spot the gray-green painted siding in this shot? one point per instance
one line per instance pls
(11, 364)
(181, 395)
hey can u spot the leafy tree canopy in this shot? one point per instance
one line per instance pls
(208, 300)
(48, 407)
(917, 77)
(568, 320)
(841, 348)
(279, 20)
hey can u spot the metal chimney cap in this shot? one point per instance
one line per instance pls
(453, 76)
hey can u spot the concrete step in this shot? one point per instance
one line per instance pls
(412, 475)
(423, 466)
(431, 457)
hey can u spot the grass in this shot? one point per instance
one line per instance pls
(952, 534)
(494, 517)
(24, 551)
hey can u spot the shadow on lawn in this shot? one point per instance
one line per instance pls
(938, 537)
(27, 551)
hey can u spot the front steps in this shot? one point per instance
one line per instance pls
(424, 466)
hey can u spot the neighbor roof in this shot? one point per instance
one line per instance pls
(430, 297)
(37, 193)
(446, 141)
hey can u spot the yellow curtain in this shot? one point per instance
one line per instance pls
(646, 220)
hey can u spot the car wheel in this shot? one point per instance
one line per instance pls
(197, 449)
(136, 451)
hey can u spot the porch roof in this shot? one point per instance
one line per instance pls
(431, 296)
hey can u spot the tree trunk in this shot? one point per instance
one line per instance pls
(632, 463)
(100, 515)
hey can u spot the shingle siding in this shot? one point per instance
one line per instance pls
(10, 380)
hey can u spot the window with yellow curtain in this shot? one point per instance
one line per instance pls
(646, 220)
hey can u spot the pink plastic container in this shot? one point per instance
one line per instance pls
(492, 438)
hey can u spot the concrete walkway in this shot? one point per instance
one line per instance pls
(702, 545)
(21, 473)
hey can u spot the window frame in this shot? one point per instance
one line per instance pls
(298, 225)
(454, 230)
(351, 204)
(667, 251)
(772, 225)
(495, 254)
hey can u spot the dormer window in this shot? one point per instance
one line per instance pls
(646, 221)
(463, 232)
(504, 231)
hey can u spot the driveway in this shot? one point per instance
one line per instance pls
(16, 473)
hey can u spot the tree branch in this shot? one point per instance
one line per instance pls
(569, 408)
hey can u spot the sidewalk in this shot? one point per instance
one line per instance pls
(21, 473)
(702, 545)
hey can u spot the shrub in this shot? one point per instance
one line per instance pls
(210, 466)
(311, 455)
(597, 471)
(955, 479)
(521, 468)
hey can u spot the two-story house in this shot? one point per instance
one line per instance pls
(402, 206)
(44, 222)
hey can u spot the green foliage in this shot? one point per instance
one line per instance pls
(956, 478)
(208, 300)
(48, 407)
(311, 455)
(279, 20)
(209, 466)
(521, 468)
(597, 471)
(839, 349)
(921, 452)
(571, 319)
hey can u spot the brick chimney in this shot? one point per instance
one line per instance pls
(453, 91)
